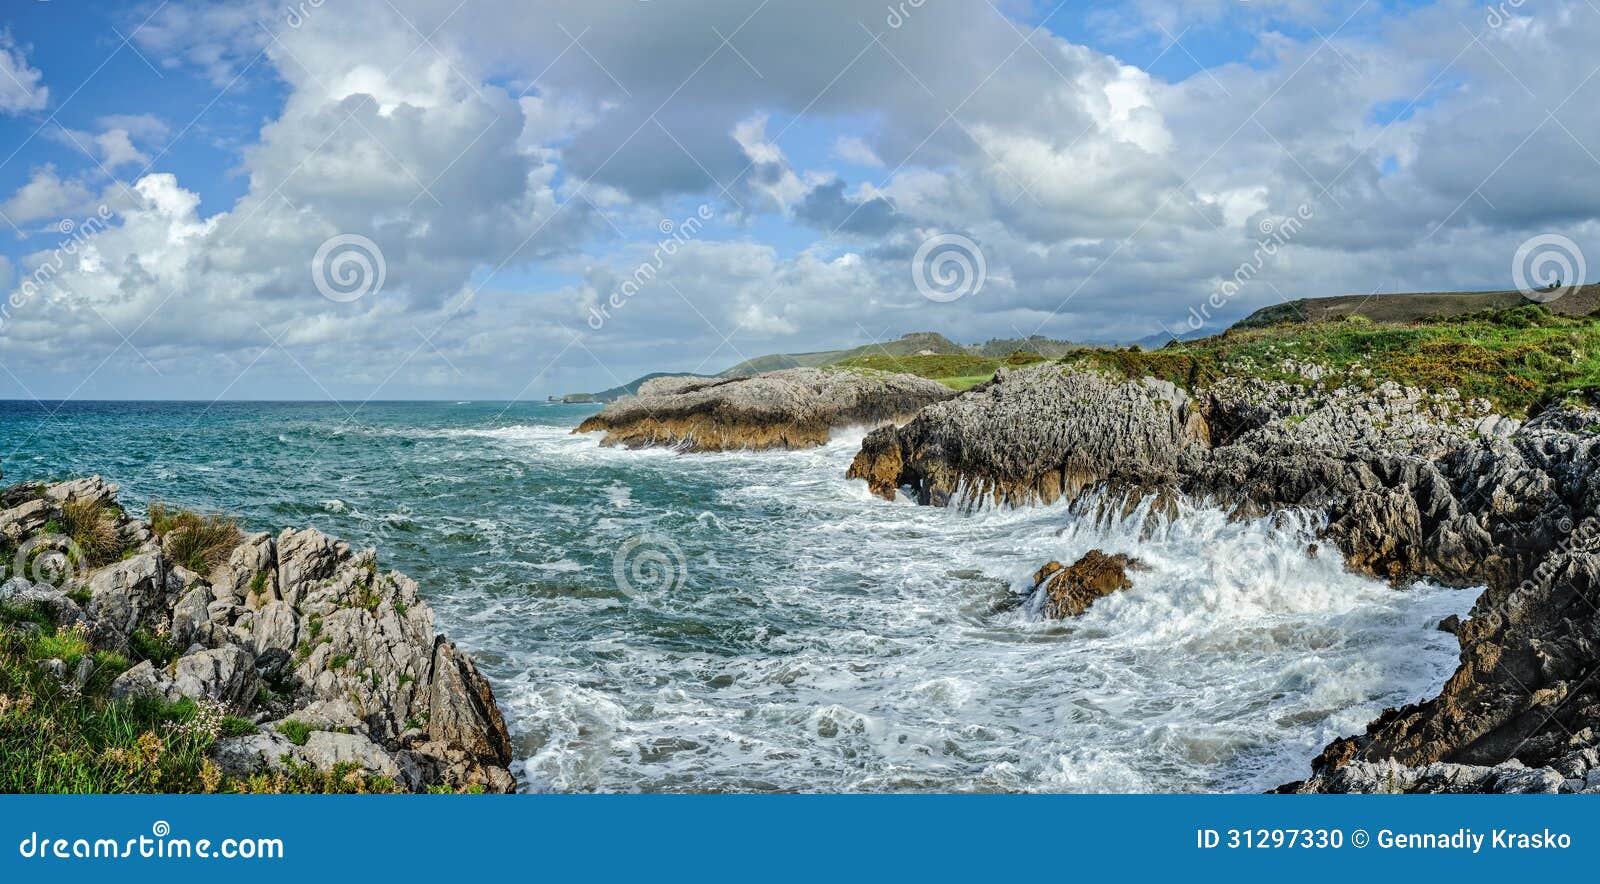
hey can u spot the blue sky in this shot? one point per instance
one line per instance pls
(201, 198)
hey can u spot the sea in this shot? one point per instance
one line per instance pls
(654, 621)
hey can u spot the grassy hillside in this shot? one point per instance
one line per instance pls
(958, 371)
(1520, 359)
(1414, 307)
(910, 345)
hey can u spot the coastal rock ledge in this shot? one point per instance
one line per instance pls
(794, 408)
(322, 660)
(1413, 485)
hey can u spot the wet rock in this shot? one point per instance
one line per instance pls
(1064, 592)
(794, 408)
(1450, 624)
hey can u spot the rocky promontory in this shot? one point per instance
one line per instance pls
(795, 408)
(288, 660)
(1414, 483)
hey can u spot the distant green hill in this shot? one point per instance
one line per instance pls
(1582, 301)
(916, 343)
(923, 352)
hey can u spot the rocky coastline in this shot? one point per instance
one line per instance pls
(1414, 485)
(794, 408)
(318, 660)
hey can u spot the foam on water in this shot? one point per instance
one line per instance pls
(828, 640)
(820, 638)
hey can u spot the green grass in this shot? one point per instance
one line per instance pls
(298, 732)
(198, 542)
(158, 649)
(959, 371)
(1521, 360)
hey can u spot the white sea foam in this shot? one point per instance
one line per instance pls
(825, 639)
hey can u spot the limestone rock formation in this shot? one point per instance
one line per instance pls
(297, 633)
(795, 408)
(1414, 485)
(1035, 434)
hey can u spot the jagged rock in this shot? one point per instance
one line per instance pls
(445, 763)
(27, 518)
(93, 490)
(276, 634)
(253, 753)
(249, 576)
(461, 709)
(226, 675)
(1036, 434)
(62, 609)
(1414, 486)
(305, 558)
(130, 595)
(1388, 777)
(1069, 591)
(1450, 624)
(143, 680)
(324, 750)
(794, 408)
(191, 619)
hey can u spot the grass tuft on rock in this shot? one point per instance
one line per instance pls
(197, 542)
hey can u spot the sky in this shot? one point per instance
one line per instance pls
(509, 199)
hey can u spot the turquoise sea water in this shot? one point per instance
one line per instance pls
(753, 622)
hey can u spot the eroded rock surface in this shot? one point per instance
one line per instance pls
(1414, 485)
(336, 661)
(1068, 591)
(795, 408)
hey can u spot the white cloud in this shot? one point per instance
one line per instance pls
(853, 149)
(47, 195)
(491, 163)
(21, 87)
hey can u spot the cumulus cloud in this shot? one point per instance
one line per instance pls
(21, 87)
(513, 168)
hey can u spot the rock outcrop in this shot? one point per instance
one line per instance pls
(1414, 485)
(1035, 434)
(1068, 591)
(795, 408)
(335, 661)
